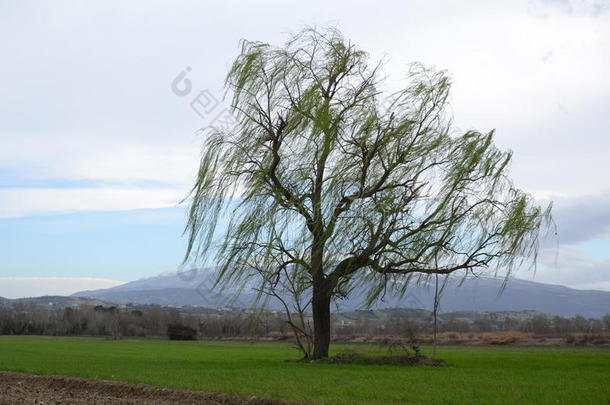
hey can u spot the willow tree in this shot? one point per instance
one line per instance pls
(337, 185)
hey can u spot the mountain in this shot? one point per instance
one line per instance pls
(196, 287)
(192, 287)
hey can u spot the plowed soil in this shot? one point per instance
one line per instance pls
(17, 388)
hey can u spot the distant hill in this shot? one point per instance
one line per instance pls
(196, 287)
(161, 296)
(54, 300)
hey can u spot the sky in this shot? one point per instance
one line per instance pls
(97, 148)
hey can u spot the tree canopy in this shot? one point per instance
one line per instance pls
(336, 184)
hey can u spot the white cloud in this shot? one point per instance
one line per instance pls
(570, 266)
(19, 287)
(19, 202)
(582, 218)
(88, 96)
(95, 157)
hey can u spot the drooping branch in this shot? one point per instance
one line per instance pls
(326, 175)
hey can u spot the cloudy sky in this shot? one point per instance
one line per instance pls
(96, 150)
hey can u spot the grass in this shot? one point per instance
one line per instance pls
(480, 374)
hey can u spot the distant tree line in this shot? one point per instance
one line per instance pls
(156, 321)
(115, 322)
(539, 324)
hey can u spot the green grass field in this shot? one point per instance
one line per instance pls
(480, 374)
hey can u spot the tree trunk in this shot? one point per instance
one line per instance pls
(321, 318)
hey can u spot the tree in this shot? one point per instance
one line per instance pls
(334, 184)
(606, 321)
(540, 324)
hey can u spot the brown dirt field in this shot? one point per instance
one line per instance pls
(18, 388)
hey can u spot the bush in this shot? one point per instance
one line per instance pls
(585, 339)
(501, 338)
(181, 332)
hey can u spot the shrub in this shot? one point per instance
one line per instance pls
(584, 339)
(501, 338)
(181, 332)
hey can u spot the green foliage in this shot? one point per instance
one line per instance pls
(332, 178)
(480, 375)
